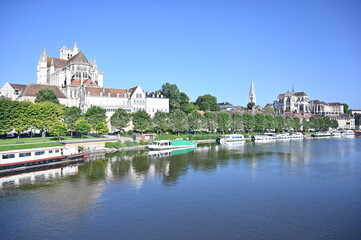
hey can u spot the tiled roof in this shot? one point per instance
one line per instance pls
(224, 104)
(78, 58)
(95, 92)
(58, 63)
(299, 94)
(20, 87)
(335, 104)
(32, 89)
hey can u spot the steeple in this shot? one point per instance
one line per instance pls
(75, 49)
(252, 94)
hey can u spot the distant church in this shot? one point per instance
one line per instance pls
(252, 94)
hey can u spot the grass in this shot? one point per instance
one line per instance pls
(31, 145)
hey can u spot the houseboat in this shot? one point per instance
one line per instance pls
(230, 138)
(266, 137)
(17, 160)
(357, 133)
(347, 133)
(283, 137)
(296, 136)
(171, 144)
(322, 135)
(336, 134)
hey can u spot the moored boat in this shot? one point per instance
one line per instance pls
(347, 133)
(17, 160)
(266, 137)
(171, 144)
(296, 136)
(336, 134)
(357, 133)
(230, 138)
(283, 137)
(321, 135)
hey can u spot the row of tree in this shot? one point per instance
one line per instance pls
(178, 121)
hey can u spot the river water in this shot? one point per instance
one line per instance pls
(305, 189)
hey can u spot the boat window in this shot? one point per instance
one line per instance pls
(27, 154)
(56, 151)
(7, 156)
(50, 151)
(39, 153)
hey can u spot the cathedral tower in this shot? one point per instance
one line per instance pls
(41, 69)
(252, 94)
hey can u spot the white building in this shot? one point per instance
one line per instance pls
(296, 102)
(11, 90)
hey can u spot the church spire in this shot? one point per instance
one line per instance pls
(252, 94)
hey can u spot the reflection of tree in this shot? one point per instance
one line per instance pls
(94, 170)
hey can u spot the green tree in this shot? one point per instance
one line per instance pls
(178, 121)
(334, 123)
(94, 115)
(237, 122)
(101, 128)
(207, 103)
(260, 122)
(248, 121)
(7, 110)
(21, 118)
(161, 122)
(279, 123)
(72, 114)
(210, 121)
(176, 98)
(270, 122)
(120, 119)
(223, 121)
(82, 126)
(250, 105)
(305, 124)
(288, 123)
(195, 121)
(189, 107)
(58, 129)
(296, 123)
(46, 95)
(141, 121)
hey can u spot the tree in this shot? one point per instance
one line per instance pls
(248, 121)
(334, 123)
(58, 129)
(346, 109)
(250, 105)
(94, 115)
(224, 121)
(172, 92)
(82, 126)
(305, 124)
(288, 123)
(120, 119)
(7, 109)
(46, 95)
(260, 122)
(296, 123)
(21, 118)
(270, 122)
(72, 114)
(211, 121)
(101, 128)
(237, 122)
(189, 107)
(279, 123)
(161, 121)
(178, 121)
(195, 121)
(207, 103)
(141, 121)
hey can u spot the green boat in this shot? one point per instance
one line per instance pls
(171, 144)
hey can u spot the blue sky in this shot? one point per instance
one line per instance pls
(214, 47)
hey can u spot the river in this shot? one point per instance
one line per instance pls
(304, 189)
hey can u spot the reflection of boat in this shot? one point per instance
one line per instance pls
(18, 160)
(266, 137)
(170, 152)
(229, 138)
(171, 144)
(321, 135)
(40, 174)
(283, 137)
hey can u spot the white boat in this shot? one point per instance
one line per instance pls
(336, 134)
(296, 136)
(321, 135)
(267, 137)
(171, 144)
(283, 137)
(230, 138)
(18, 160)
(348, 133)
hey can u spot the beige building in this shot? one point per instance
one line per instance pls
(11, 90)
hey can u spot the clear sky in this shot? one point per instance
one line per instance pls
(214, 47)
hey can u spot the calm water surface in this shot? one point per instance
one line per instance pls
(308, 189)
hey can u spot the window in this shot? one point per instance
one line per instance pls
(56, 151)
(39, 153)
(50, 151)
(7, 156)
(139, 95)
(27, 154)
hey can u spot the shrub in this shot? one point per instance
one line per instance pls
(129, 143)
